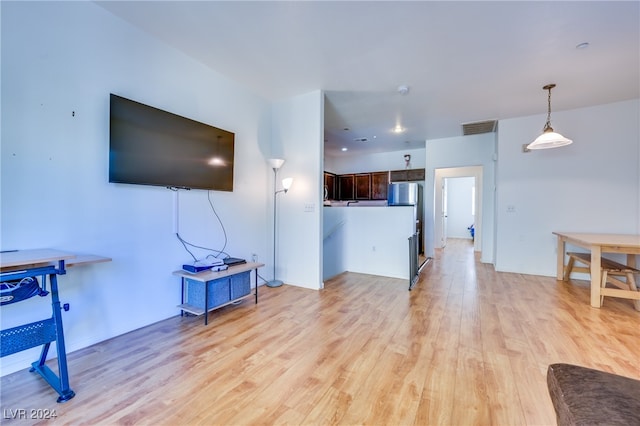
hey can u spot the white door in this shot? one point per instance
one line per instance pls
(445, 203)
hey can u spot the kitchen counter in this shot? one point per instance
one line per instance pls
(369, 241)
(355, 203)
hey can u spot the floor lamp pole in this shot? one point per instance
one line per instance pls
(274, 282)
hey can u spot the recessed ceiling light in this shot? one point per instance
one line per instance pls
(403, 90)
(398, 129)
(582, 45)
(344, 148)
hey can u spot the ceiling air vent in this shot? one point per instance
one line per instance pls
(488, 126)
(361, 139)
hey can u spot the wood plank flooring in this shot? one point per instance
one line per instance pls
(467, 346)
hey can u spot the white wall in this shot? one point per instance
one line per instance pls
(375, 162)
(65, 57)
(333, 242)
(589, 186)
(463, 151)
(370, 240)
(459, 206)
(298, 135)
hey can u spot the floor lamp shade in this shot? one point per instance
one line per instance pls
(275, 164)
(286, 183)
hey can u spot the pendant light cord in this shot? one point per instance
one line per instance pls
(547, 126)
(549, 108)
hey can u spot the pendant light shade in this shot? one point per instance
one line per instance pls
(549, 138)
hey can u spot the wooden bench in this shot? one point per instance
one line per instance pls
(609, 271)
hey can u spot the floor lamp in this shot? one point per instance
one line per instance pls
(275, 164)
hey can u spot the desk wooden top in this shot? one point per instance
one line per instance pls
(18, 259)
(208, 275)
(608, 240)
(32, 257)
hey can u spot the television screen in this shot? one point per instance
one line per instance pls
(148, 146)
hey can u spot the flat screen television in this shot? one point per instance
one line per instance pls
(149, 146)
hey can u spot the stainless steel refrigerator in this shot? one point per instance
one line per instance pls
(409, 194)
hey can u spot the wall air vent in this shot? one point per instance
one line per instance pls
(488, 126)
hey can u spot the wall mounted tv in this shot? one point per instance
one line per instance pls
(148, 146)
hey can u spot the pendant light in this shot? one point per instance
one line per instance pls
(549, 138)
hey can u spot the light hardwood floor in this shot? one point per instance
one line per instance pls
(467, 346)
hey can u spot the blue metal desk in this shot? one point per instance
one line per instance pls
(22, 266)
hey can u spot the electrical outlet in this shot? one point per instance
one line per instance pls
(511, 208)
(254, 257)
(309, 207)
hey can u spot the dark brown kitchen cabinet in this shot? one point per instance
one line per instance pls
(329, 186)
(415, 174)
(379, 185)
(363, 186)
(407, 175)
(398, 175)
(346, 187)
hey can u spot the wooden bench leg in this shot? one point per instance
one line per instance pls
(632, 286)
(603, 285)
(631, 283)
(568, 269)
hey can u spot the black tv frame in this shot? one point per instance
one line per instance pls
(150, 146)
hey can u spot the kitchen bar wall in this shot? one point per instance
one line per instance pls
(367, 240)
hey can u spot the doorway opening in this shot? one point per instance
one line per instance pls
(452, 189)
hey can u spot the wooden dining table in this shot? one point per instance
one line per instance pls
(597, 244)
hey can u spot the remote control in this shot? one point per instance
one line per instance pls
(219, 268)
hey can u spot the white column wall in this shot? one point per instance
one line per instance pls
(463, 151)
(298, 138)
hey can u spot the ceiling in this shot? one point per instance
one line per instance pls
(462, 62)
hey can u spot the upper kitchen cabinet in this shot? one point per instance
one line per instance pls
(407, 175)
(346, 185)
(330, 186)
(363, 186)
(379, 185)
